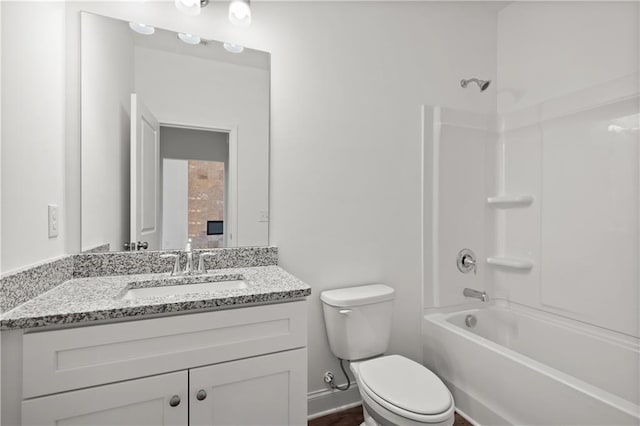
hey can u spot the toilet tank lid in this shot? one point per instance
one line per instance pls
(355, 296)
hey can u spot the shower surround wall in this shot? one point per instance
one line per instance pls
(548, 186)
(568, 100)
(460, 160)
(566, 136)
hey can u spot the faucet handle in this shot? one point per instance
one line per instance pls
(469, 262)
(466, 261)
(203, 255)
(176, 263)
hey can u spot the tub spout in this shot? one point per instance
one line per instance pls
(480, 295)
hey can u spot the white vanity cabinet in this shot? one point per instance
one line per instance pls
(244, 366)
(264, 390)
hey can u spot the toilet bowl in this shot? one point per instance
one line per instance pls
(395, 390)
(398, 391)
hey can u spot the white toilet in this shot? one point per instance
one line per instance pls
(394, 390)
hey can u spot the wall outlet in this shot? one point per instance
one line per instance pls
(264, 216)
(53, 220)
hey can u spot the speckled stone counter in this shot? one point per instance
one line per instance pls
(24, 285)
(83, 300)
(21, 286)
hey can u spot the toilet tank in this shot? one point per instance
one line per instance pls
(358, 320)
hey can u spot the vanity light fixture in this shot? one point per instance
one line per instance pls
(239, 10)
(189, 38)
(143, 29)
(233, 48)
(190, 7)
(240, 13)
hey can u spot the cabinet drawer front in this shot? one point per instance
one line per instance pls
(142, 402)
(60, 360)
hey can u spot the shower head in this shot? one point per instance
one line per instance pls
(482, 84)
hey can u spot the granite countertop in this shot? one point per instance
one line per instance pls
(83, 300)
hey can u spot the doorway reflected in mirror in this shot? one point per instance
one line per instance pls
(195, 167)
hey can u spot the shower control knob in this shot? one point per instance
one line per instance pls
(201, 395)
(174, 401)
(466, 261)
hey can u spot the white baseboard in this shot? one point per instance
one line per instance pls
(466, 417)
(328, 401)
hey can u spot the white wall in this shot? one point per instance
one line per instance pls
(567, 72)
(346, 170)
(1, 190)
(347, 91)
(107, 79)
(347, 83)
(183, 89)
(175, 203)
(550, 49)
(33, 131)
(192, 144)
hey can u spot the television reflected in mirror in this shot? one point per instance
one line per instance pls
(175, 139)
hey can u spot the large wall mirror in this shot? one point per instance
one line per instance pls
(175, 139)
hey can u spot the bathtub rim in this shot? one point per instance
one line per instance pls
(601, 333)
(440, 319)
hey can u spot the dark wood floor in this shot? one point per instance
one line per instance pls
(353, 417)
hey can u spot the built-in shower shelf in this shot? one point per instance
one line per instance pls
(509, 201)
(510, 262)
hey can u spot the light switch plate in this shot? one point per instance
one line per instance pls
(53, 220)
(264, 216)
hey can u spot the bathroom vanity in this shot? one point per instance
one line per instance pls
(83, 353)
(108, 337)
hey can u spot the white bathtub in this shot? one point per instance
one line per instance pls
(523, 367)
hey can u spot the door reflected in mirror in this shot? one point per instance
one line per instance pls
(175, 141)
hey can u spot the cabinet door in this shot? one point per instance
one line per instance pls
(269, 390)
(141, 402)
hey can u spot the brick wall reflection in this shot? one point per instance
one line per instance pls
(206, 201)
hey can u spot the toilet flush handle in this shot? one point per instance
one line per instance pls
(345, 311)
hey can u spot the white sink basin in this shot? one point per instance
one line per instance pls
(172, 290)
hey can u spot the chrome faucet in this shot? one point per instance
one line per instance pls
(201, 262)
(475, 294)
(176, 262)
(188, 267)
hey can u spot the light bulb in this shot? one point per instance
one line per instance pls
(142, 28)
(233, 48)
(188, 7)
(240, 13)
(189, 38)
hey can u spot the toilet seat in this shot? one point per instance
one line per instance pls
(405, 388)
